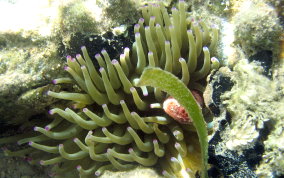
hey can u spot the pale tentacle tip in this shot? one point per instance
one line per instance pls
(54, 81)
(66, 68)
(78, 167)
(97, 173)
(50, 112)
(205, 48)
(114, 62)
(78, 55)
(48, 93)
(101, 69)
(141, 20)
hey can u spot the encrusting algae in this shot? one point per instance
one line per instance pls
(110, 124)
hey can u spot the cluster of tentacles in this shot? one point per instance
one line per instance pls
(114, 125)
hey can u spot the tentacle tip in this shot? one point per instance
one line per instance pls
(114, 62)
(141, 20)
(83, 67)
(145, 94)
(41, 162)
(147, 28)
(66, 68)
(68, 57)
(101, 69)
(152, 18)
(48, 93)
(104, 129)
(121, 101)
(150, 53)
(97, 173)
(74, 106)
(173, 159)
(128, 128)
(132, 89)
(78, 167)
(174, 9)
(47, 128)
(181, 59)
(137, 26)
(50, 112)
(214, 59)
(177, 145)
(176, 133)
(155, 141)
(137, 35)
(54, 81)
(122, 56)
(97, 55)
(164, 172)
(126, 49)
(83, 47)
(103, 51)
(84, 109)
(30, 143)
(130, 150)
(75, 139)
(205, 48)
(78, 56)
(189, 31)
(36, 128)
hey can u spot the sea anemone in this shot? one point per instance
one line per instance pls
(111, 124)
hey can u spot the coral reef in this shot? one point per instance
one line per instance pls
(248, 109)
(110, 123)
(256, 27)
(32, 44)
(23, 80)
(248, 138)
